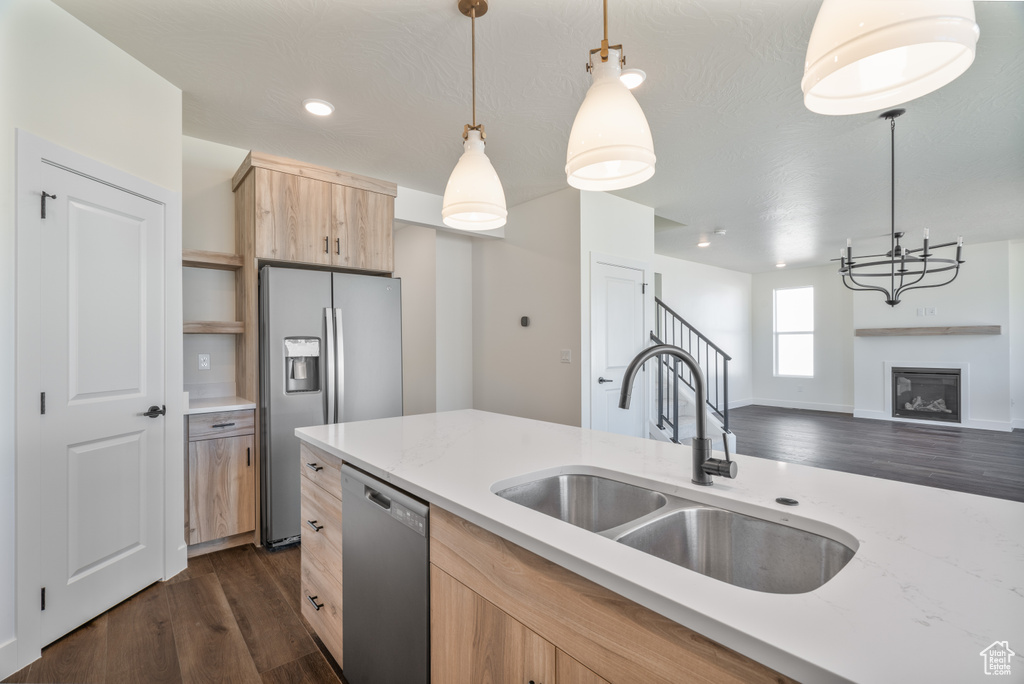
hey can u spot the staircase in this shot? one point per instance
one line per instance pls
(676, 410)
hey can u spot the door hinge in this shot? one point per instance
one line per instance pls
(42, 599)
(42, 203)
(643, 288)
(42, 403)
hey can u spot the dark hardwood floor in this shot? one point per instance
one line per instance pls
(232, 616)
(962, 459)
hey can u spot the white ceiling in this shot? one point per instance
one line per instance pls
(736, 148)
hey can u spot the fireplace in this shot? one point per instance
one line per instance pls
(926, 394)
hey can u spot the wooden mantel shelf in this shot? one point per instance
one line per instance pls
(947, 330)
(197, 258)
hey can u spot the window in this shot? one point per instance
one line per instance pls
(794, 332)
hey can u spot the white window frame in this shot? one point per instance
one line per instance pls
(776, 334)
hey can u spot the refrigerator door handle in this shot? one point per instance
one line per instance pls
(340, 363)
(330, 397)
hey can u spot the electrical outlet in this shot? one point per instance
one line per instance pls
(929, 311)
(799, 388)
(204, 362)
(567, 356)
(920, 311)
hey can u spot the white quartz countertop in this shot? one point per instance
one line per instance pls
(215, 404)
(937, 575)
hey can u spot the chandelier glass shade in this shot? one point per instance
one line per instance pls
(866, 55)
(474, 198)
(610, 145)
(900, 269)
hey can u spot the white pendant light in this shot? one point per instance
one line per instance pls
(610, 146)
(474, 198)
(865, 55)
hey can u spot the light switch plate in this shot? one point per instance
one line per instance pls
(567, 356)
(204, 362)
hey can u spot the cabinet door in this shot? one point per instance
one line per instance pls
(221, 488)
(570, 671)
(293, 218)
(363, 223)
(472, 640)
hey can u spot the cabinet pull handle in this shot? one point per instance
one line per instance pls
(314, 467)
(312, 599)
(337, 245)
(312, 523)
(222, 425)
(248, 456)
(327, 249)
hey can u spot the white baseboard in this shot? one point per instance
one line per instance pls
(9, 658)
(740, 403)
(993, 425)
(810, 406)
(1017, 424)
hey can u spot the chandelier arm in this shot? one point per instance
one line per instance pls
(862, 287)
(922, 287)
(472, 21)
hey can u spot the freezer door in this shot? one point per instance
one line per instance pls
(293, 303)
(368, 327)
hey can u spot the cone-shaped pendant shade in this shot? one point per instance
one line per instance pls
(474, 198)
(610, 146)
(865, 55)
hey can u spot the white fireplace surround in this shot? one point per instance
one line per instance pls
(965, 392)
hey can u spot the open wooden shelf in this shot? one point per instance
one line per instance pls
(938, 330)
(213, 327)
(197, 258)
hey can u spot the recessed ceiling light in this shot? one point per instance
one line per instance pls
(318, 107)
(632, 77)
(780, 265)
(703, 243)
(719, 231)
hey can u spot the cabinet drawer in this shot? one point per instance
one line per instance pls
(322, 585)
(321, 468)
(221, 424)
(321, 525)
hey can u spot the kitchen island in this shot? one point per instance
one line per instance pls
(937, 575)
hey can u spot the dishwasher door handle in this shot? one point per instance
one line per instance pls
(376, 497)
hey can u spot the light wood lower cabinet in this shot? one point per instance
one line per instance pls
(222, 488)
(473, 641)
(321, 546)
(504, 598)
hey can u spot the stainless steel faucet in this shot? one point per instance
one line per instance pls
(703, 465)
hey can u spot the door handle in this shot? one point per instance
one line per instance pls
(601, 381)
(155, 411)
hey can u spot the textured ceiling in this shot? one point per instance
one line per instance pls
(736, 148)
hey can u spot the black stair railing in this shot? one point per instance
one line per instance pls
(671, 328)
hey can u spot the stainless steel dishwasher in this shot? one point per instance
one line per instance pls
(385, 582)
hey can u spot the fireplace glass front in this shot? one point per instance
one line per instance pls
(926, 394)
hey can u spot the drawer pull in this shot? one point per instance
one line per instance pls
(312, 599)
(222, 425)
(313, 524)
(314, 467)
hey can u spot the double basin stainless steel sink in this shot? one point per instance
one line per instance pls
(732, 547)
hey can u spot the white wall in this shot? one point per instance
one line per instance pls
(535, 272)
(1017, 331)
(831, 388)
(454, 321)
(63, 82)
(416, 265)
(716, 301)
(615, 227)
(979, 296)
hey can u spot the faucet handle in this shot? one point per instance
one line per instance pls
(716, 466)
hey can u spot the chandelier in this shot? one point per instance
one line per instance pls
(904, 269)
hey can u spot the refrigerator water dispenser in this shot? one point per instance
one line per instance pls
(301, 364)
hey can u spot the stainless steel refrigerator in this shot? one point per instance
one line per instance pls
(330, 352)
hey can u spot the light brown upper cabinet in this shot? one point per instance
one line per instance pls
(293, 218)
(295, 212)
(359, 240)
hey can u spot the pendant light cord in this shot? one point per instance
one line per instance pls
(472, 20)
(892, 203)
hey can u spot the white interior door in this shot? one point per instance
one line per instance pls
(102, 318)
(617, 334)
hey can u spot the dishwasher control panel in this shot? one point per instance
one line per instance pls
(414, 521)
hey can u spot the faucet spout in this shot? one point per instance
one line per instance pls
(703, 465)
